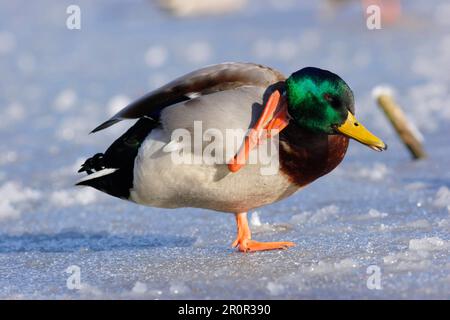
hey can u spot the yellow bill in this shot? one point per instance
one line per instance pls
(355, 130)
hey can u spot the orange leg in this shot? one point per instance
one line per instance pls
(269, 120)
(244, 238)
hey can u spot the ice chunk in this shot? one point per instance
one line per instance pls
(324, 214)
(178, 288)
(89, 291)
(373, 214)
(343, 265)
(258, 226)
(319, 216)
(419, 224)
(408, 260)
(300, 218)
(375, 173)
(66, 198)
(139, 288)
(7, 211)
(275, 289)
(429, 244)
(255, 221)
(442, 198)
(13, 195)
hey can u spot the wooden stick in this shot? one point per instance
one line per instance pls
(400, 122)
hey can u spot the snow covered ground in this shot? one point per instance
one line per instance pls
(379, 216)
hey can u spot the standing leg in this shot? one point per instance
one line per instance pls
(244, 238)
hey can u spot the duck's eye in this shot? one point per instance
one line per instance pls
(328, 97)
(332, 100)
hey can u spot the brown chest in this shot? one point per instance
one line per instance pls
(305, 156)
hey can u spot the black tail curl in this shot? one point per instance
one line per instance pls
(119, 156)
(93, 164)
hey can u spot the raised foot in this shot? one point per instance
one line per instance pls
(252, 245)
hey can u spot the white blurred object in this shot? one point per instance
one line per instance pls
(156, 56)
(199, 52)
(255, 221)
(117, 103)
(7, 42)
(184, 8)
(14, 198)
(65, 100)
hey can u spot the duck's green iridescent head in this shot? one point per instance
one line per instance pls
(320, 101)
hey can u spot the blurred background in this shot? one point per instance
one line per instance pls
(57, 84)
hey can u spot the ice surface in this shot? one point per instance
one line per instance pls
(375, 209)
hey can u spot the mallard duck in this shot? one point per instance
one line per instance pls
(310, 116)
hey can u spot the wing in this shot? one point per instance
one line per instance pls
(219, 77)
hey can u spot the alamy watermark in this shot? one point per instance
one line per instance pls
(215, 146)
(73, 282)
(73, 21)
(373, 20)
(374, 279)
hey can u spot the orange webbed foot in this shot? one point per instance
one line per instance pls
(244, 243)
(247, 245)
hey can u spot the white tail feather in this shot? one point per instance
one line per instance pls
(97, 174)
